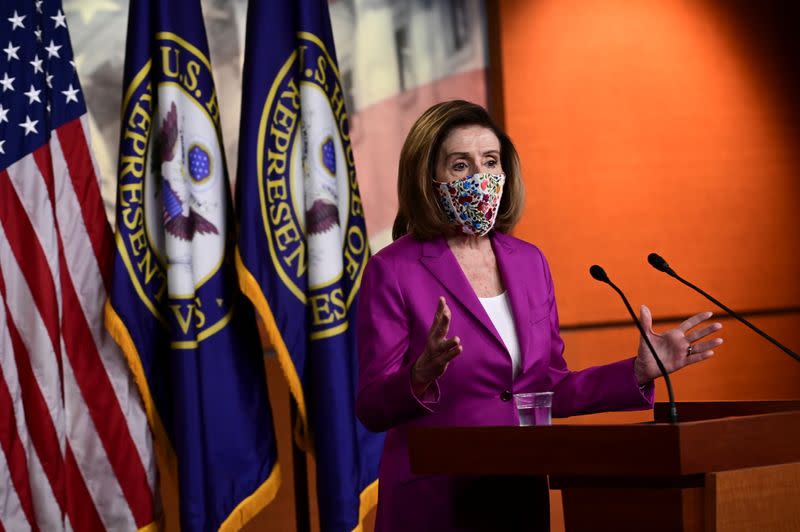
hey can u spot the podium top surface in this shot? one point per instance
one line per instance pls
(647, 450)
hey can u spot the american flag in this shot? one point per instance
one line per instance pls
(75, 449)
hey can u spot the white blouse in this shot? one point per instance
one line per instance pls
(499, 310)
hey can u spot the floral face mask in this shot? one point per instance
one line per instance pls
(472, 202)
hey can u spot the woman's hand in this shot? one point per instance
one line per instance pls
(439, 351)
(673, 347)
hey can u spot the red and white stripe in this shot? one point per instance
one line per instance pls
(74, 440)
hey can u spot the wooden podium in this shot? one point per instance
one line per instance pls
(725, 466)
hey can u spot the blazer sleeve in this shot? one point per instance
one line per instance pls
(597, 389)
(385, 398)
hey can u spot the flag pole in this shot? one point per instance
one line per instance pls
(300, 471)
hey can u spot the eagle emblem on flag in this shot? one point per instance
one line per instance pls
(177, 221)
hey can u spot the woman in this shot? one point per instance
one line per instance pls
(455, 316)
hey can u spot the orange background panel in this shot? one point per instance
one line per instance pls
(645, 126)
(649, 126)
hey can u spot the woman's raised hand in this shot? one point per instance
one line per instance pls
(439, 351)
(676, 347)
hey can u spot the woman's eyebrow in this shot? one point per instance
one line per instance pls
(466, 155)
(458, 154)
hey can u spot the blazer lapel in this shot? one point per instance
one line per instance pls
(440, 261)
(512, 271)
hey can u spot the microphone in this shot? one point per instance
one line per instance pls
(598, 273)
(657, 262)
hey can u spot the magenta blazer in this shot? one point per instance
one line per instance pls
(398, 299)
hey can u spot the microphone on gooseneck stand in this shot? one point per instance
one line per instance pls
(657, 262)
(600, 274)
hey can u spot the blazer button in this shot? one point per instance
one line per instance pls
(505, 396)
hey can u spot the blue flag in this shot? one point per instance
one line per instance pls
(303, 244)
(175, 305)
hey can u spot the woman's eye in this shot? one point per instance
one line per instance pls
(491, 163)
(460, 167)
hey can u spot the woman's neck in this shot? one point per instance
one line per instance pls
(468, 242)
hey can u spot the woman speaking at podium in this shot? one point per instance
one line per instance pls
(456, 316)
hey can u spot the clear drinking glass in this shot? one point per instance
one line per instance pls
(534, 408)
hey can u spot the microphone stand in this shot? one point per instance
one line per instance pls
(657, 262)
(599, 274)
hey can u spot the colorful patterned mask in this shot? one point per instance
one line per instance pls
(472, 202)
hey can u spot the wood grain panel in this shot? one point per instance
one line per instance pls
(761, 498)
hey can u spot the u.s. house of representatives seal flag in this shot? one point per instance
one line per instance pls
(303, 244)
(175, 304)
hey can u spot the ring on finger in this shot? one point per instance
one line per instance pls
(689, 350)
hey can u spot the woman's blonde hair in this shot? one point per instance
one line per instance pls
(419, 213)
